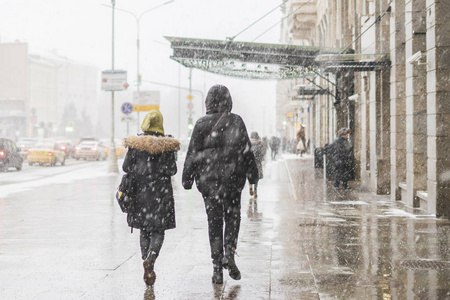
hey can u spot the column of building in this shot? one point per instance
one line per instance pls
(438, 106)
(416, 144)
(398, 106)
(383, 107)
(375, 113)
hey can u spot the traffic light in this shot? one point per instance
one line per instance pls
(138, 82)
(190, 123)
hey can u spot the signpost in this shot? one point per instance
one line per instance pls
(114, 80)
(145, 101)
(127, 109)
(145, 107)
(146, 98)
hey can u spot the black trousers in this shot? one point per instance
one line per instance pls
(223, 207)
(151, 241)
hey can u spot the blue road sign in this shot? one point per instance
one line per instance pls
(127, 108)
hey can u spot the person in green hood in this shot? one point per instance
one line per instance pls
(151, 162)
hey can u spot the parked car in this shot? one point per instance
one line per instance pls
(67, 147)
(46, 153)
(24, 145)
(90, 150)
(9, 155)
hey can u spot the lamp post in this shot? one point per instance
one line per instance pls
(138, 20)
(113, 168)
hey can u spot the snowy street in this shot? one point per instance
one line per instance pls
(63, 236)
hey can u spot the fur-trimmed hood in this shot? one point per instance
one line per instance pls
(152, 144)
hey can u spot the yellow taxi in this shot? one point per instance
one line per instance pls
(120, 149)
(46, 153)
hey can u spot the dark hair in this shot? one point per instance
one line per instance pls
(343, 131)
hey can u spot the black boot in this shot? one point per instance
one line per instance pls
(229, 263)
(218, 272)
(149, 273)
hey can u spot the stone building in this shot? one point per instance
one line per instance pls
(389, 83)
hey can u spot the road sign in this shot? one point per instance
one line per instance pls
(145, 107)
(127, 108)
(127, 119)
(146, 98)
(114, 80)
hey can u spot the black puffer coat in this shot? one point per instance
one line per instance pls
(224, 155)
(341, 155)
(151, 162)
(258, 151)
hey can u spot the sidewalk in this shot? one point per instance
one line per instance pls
(364, 246)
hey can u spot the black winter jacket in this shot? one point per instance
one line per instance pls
(221, 156)
(341, 155)
(151, 162)
(258, 151)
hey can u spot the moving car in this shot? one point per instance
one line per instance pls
(24, 144)
(88, 138)
(90, 150)
(67, 147)
(46, 153)
(9, 155)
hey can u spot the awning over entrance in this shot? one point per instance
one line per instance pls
(262, 61)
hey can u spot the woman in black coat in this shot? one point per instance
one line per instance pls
(342, 158)
(258, 151)
(151, 162)
(220, 160)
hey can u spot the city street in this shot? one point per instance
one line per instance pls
(63, 236)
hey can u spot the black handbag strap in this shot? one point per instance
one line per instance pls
(215, 125)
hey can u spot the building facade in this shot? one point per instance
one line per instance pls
(45, 95)
(398, 114)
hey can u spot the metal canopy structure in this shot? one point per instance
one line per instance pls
(264, 61)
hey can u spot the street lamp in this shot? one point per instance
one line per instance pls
(138, 20)
(113, 168)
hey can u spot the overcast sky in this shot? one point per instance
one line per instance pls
(81, 30)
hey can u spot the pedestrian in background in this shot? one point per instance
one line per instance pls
(265, 147)
(301, 140)
(341, 155)
(258, 151)
(219, 159)
(151, 162)
(274, 146)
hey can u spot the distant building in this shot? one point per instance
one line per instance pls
(45, 95)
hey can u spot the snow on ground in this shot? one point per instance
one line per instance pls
(94, 171)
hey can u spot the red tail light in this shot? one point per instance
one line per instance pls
(2, 154)
(50, 154)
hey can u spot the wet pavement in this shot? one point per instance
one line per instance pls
(301, 239)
